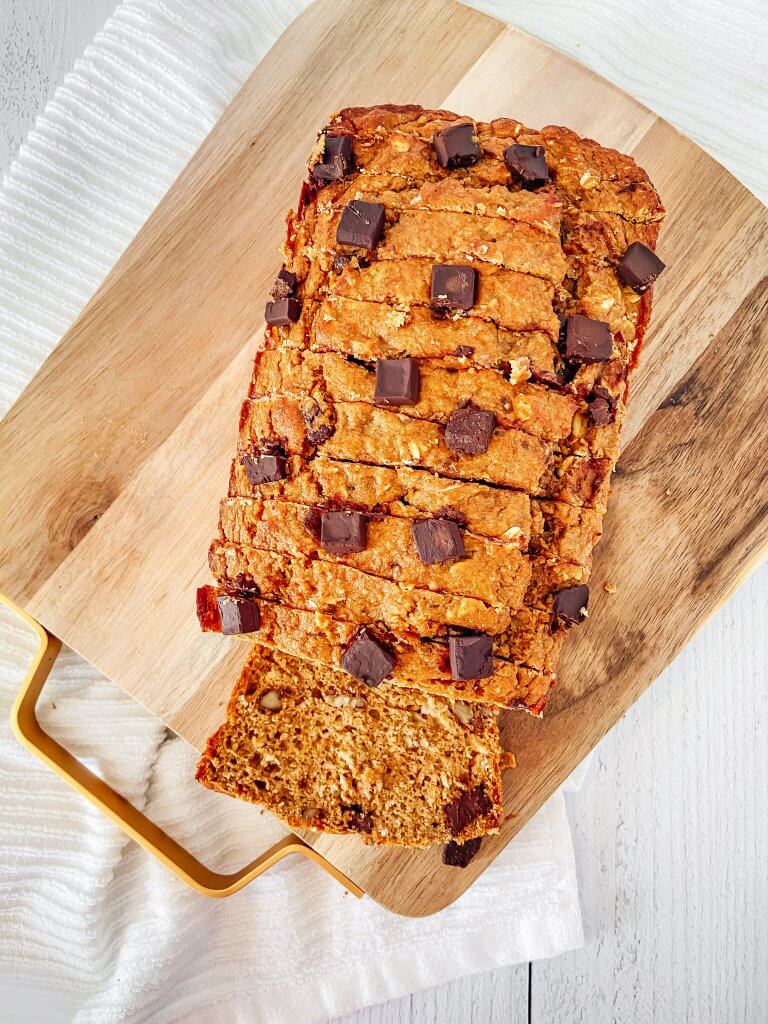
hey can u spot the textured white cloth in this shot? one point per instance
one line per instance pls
(90, 925)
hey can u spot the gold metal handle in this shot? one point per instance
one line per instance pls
(135, 824)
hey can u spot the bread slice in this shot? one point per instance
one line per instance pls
(424, 665)
(323, 751)
(444, 384)
(568, 531)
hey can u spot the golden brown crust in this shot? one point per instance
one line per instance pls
(614, 182)
(513, 301)
(371, 330)
(497, 573)
(345, 591)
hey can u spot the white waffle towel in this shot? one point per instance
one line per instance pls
(91, 927)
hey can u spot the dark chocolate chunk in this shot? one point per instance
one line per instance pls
(529, 165)
(601, 406)
(438, 540)
(454, 286)
(282, 312)
(451, 512)
(238, 614)
(285, 284)
(343, 532)
(367, 659)
(357, 819)
(312, 519)
(245, 586)
(599, 411)
(469, 430)
(587, 340)
(456, 146)
(264, 469)
(397, 382)
(570, 604)
(464, 351)
(639, 267)
(338, 159)
(466, 808)
(458, 855)
(557, 379)
(317, 420)
(320, 434)
(340, 261)
(471, 656)
(361, 224)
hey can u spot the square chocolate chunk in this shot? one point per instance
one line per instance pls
(456, 146)
(453, 286)
(570, 605)
(639, 267)
(471, 656)
(397, 382)
(587, 340)
(282, 312)
(343, 532)
(264, 469)
(528, 165)
(367, 659)
(338, 159)
(438, 540)
(458, 855)
(238, 614)
(469, 430)
(361, 224)
(285, 284)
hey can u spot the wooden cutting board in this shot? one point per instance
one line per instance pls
(116, 455)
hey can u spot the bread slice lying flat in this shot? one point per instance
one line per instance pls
(323, 751)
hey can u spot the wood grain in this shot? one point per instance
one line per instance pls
(209, 251)
(671, 839)
(144, 553)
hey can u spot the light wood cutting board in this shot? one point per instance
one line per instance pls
(115, 457)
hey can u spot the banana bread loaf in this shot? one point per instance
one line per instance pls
(426, 444)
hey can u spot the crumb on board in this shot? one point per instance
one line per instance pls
(610, 588)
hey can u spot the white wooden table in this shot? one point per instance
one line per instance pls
(671, 826)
